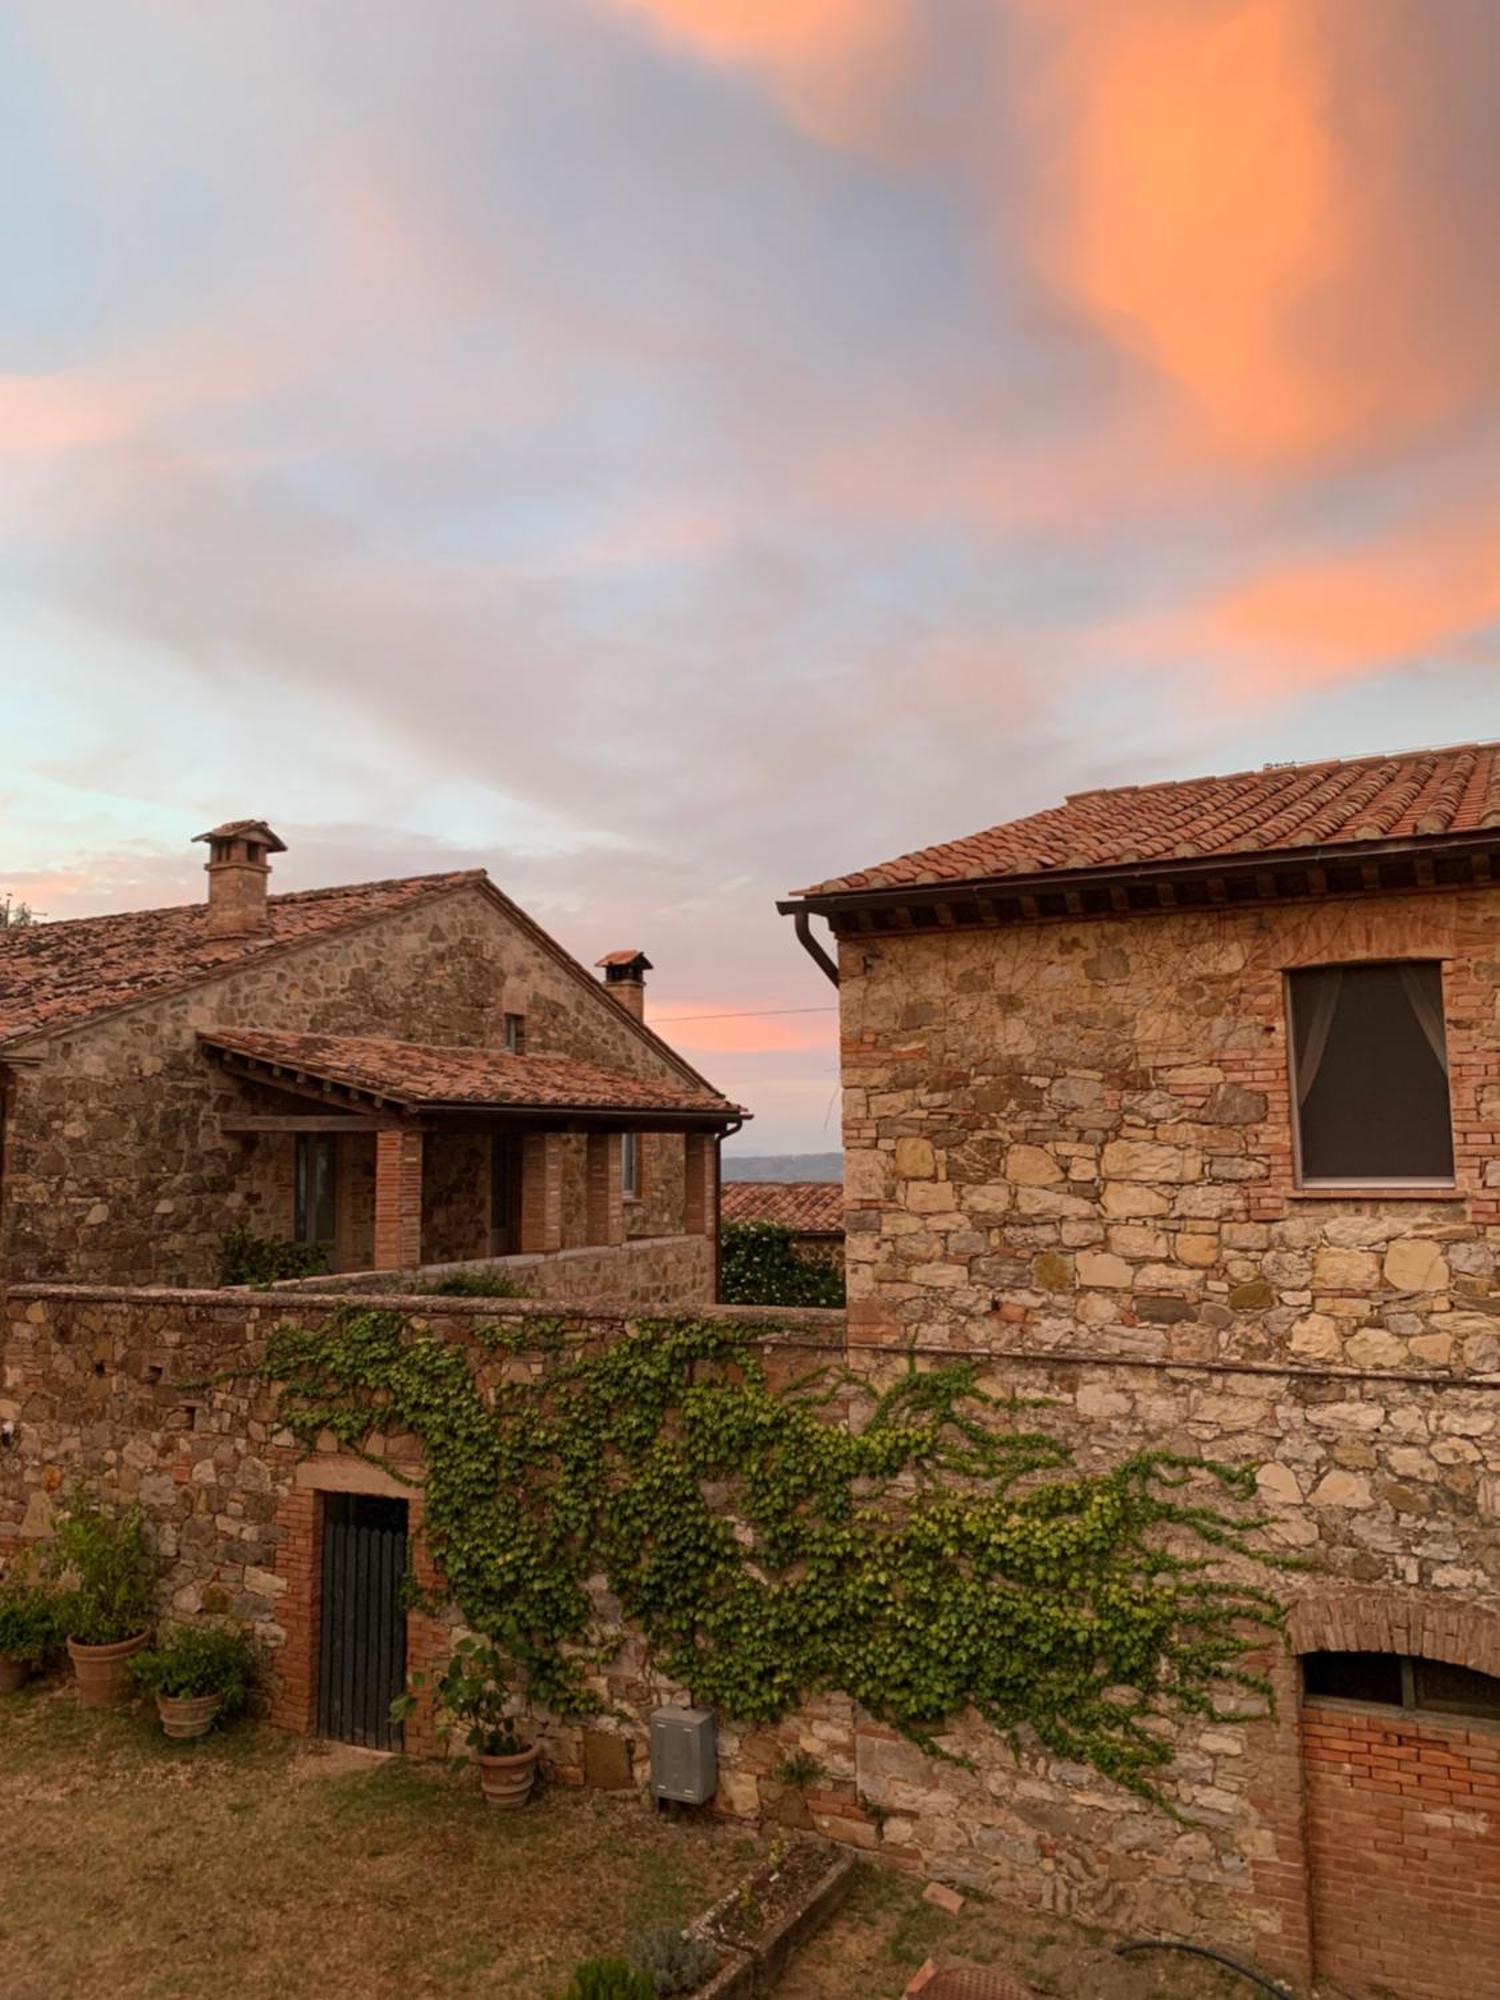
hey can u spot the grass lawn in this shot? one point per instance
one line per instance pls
(885, 1931)
(253, 1864)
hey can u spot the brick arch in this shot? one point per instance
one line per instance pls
(1386, 1620)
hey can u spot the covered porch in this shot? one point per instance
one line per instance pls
(392, 1156)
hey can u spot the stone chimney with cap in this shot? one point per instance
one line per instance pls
(625, 977)
(237, 870)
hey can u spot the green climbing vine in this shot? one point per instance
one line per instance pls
(922, 1550)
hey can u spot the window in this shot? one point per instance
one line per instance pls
(630, 1166)
(315, 1210)
(1370, 1065)
(515, 1034)
(1399, 1680)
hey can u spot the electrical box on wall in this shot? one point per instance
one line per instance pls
(684, 1760)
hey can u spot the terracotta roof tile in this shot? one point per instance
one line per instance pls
(56, 974)
(1410, 795)
(416, 1074)
(810, 1207)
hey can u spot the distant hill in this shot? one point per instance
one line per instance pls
(783, 1166)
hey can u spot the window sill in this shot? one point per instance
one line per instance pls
(1378, 1193)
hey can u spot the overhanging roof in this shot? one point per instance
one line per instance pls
(367, 1072)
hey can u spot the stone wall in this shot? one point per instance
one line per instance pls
(1078, 1136)
(675, 1273)
(116, 1169)
(1387, 1486)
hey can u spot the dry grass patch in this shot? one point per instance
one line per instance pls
(143, 1870)
(885, 1931)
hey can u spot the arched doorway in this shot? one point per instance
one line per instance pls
(1400, 1731)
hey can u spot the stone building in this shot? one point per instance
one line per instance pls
(1180, 1105)
(402, 1074)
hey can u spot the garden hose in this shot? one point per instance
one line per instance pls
(1204, 1951)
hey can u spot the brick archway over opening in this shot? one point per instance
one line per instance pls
(1396, 1621)
(1400, 1808)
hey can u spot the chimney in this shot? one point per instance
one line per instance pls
(237, 869)
(625, 977)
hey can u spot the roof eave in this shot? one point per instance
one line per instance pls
(1169, 868)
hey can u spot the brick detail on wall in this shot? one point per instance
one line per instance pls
(1404, 1840)
(606, 1204)
(398, 1200)
(541, 1193)
(700, 1205)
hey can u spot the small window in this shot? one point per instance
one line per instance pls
(1370, 1063)
(315, 1215)
(630, 1166)
(515, 1034)
(1399, 1680)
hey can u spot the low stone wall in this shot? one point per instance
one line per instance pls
(1388, 1486)
(672, 1272)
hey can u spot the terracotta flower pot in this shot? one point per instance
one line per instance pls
(13, 1673)
(187, 1717)
(507, 1781)
(101, 1671)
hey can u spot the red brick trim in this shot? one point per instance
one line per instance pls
(1384, 1620)
(606, 1204)
(1335, 1618)
(299, 1564)
(398, 1199)
(541, 1193)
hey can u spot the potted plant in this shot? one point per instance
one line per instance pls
(28, 1625)
(108, 1567)
(198, 1674)
(474, 1700)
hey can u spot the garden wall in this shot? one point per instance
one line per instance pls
(1390, 1485)
(672, 1273)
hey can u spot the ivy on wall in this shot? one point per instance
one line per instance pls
(921, 1550)
(761, 1265)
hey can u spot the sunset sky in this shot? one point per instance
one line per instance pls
(670, 451)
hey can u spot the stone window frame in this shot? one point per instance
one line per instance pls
(1270, 1071)
(1392, 1189)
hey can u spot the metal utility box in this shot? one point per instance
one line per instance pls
(684, 1760)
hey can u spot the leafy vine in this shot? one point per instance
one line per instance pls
(919, 1549)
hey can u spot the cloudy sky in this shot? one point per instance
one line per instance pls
(669, 451)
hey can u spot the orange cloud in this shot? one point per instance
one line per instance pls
(1419, 592)
(750, 1034)
(52, 413)
(829, 60)
(1232, 189)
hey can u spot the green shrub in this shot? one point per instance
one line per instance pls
(108, 1568)
(761, 1266)
(474, 1699)
(248, 1259)
(30, 1629)
(192, 1660)
(609, 1979)
(674, 1962)
(474, 1285)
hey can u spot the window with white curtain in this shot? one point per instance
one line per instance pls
(1370, 1069)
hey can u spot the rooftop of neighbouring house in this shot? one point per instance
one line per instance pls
(54, 974)
(812, 1208)
(417, 1075)
(1407, 797)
